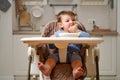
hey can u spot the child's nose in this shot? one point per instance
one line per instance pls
(71, 22)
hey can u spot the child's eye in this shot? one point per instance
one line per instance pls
(73, 20)
(67, 20)
(70, 20)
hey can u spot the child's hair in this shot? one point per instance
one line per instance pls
(70, 13)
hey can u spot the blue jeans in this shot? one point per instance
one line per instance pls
(73, 51)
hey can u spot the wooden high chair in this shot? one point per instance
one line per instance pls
(62, 71)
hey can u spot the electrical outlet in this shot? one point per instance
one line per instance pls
(91, 21)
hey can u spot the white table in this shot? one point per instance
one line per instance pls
(62, 43)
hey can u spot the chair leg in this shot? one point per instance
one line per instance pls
(97, 68)
(34, 77)
(29, 67)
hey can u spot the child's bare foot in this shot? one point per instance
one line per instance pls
(77, 72)
(45, 69)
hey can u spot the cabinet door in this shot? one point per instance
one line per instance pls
(20, 57)
(94, 2)
(108, 56)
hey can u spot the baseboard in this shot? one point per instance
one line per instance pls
(20, 77)
(6, 78)
(118, 78)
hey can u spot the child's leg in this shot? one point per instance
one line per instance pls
(77, 69)
(48, 66)
(76, 63)
(50, 63)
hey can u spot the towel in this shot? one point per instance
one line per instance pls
(4, 5)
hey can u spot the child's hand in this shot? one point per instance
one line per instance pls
(52, 36)
(73, 28)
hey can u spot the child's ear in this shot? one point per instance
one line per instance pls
(60, 25)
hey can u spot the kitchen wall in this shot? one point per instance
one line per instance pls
(118, 40)
(6, 54)
(100, 13)
(104, 16)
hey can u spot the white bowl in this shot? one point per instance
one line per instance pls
(36, 11)
(69, 34)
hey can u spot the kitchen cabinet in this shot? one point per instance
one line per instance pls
(107, 63)
(82, 2)
(93, 2)
(20, 57)
(108, 52)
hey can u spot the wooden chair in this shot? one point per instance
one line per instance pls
(63, 71)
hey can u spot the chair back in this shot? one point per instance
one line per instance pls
(52, 27)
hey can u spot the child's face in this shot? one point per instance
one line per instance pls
(66, 22)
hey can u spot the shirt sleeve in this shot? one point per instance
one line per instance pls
(57, 33)
(83, 34)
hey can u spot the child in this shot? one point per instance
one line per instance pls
(66, 22)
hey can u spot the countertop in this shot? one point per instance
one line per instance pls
(111, 33)
(28, 32)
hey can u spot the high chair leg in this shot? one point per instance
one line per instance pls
(97, 68)
(34, 77)
(29, 67)
(97, 55)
